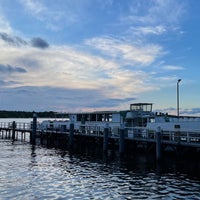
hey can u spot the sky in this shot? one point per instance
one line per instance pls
(90, 55)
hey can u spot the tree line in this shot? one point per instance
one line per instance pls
(25, 114)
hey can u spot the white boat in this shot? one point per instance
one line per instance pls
(140, 116)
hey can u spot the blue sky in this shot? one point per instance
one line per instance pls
(92, 55)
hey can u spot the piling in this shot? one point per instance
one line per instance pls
(71, 133)
(121, 139)
(13, 130)
(158, 144)
(83, 125)
(105, 138)
(34, 129)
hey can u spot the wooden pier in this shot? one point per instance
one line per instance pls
(124, 139)
(15, 131)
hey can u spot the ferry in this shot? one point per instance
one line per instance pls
(138, 117)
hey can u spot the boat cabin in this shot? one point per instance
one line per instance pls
(141, 107)
(139, 115)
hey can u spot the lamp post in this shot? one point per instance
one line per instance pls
(179, 80)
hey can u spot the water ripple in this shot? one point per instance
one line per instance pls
(32, 173)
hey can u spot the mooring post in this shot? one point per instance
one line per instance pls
(13, 130)
(158, 144)
(71, 133)
(105, 137)
(121, 139)
(82, 127)
(34, 129)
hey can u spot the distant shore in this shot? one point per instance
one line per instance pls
(27, 114)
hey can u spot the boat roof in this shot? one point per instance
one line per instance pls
(140, 104)
(111, 111)
(99, 112)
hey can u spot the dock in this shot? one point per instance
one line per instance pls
(125, 139)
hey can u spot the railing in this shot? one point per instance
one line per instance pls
(183, 137)
(18, 125)
(89, 130)
(131, 133)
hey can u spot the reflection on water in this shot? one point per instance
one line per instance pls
(34, 172)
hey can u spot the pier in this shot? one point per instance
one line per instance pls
(124, 139)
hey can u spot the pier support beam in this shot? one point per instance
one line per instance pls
(158, 144)
(34, 128)
(71, 133)
(121, 139)
(105, 138)
(13, 130)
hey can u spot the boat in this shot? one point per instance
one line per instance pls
(138, 119)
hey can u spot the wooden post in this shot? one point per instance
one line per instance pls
(105, 138)
(158, 144)
(121, 139)
(34, 128)
(71, 133)
(82, 127)
(13, 130)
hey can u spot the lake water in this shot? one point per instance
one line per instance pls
(35, 172)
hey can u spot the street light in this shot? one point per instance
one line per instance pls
(179, 80)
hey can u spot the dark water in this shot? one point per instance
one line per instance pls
(28, 172)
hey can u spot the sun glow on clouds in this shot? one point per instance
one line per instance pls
(72, 69)
(67, 67)
(114, 64)
(125, 52)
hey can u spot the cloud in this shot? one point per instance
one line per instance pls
(13, 40)
(7, 83)
(168, 11)
(172, 67)
(58, 99)
(5, 25)
(163, 15)
(39, 43)
(35, 7)
(183, 111)
(111, 102)
(98, 73)
(192, 111)
(11, 69)
(125, 51)
(47, 14)
(86, 78)
(116, 61)
(148, 30)
(17, 41)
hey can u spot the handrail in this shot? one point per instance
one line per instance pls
(134, 133)
(17, 125)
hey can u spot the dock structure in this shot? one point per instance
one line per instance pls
(15, 131)
(158, 140)
(124, 130)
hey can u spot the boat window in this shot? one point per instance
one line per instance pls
(152, 120)
(146, 107)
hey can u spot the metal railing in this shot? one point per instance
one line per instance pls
(18, 125)
(184, 137)
(131, 133)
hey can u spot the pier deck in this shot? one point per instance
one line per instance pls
(168, 137)
(174, 139)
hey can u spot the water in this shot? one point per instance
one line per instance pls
(35, 172)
